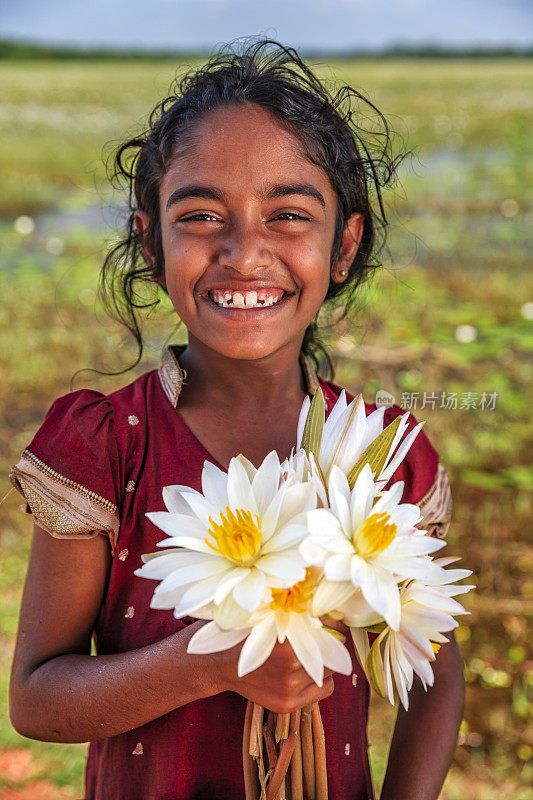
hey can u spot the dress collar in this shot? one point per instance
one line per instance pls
(172, 375)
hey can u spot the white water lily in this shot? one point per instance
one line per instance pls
(426, 615)
(286, 616)
(348, 431)
(231, 542)
(369, 543)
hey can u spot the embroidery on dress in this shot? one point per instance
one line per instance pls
(436, 506)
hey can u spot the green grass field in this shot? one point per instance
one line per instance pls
(461, 221)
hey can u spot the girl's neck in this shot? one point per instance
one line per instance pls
(269, 383)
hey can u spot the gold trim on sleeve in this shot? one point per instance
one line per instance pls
(436, 506)
(61, 506)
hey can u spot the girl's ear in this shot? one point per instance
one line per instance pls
(351, 236)
(142, 223)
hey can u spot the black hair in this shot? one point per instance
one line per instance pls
(341, 131)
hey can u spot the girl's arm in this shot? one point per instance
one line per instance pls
(60, 693)
(425, 736)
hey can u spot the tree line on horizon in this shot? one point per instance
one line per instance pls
(10, 49)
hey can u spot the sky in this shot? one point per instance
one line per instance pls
(329, 25)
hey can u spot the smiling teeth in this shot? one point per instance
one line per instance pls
(242, 300)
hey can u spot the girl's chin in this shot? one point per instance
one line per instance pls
(248, 348)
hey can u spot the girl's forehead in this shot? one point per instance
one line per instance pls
(242, 143)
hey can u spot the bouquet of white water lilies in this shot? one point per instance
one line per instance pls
(272, 553)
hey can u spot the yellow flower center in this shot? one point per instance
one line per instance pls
(374, 535)
(238, 536)
(436, 647)
(295, 598)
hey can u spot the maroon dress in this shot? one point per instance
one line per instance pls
(96, 465)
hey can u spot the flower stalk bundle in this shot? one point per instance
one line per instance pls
(280, 551)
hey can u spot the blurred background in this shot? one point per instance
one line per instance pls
(445, 326)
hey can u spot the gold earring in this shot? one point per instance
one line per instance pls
(343, 273)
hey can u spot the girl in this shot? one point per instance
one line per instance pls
(251, 204)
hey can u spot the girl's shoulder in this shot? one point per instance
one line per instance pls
(426, 481)
(71, 472)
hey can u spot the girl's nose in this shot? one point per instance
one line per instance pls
(244, 250)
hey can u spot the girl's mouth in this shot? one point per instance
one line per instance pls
(232, 298)
(247, 305)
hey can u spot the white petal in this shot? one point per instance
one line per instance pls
(212, 639)
(405, 517)
(332, 428)
(249, 592)
(400, 454)
(301, 421)
(334, 654)
(450, 575)
(227, 583)
(258, 646)
(198, 594)
(414, 545)
(202, 508)
(313, 554)
(289, 537)
(306, 648)
(362, 497)
(399, 674)
(162, 565)
(214, 483)
(420, 567)
(298, 498)
(338, 567)
(266, 482)
(191, 573)
(269, 518)
(389, 499)
(330, 595)
(387, 670)
(339, 498)
(348, 445)
(424, 671)
(167, 600)
(177, 524)
(240, 493)
(379, 589)
(174, 501)
(361, 644)
(229, 614)
(287, 566)
(187, 543)
(373, 427)
(321, 522)
(411, 634)
(358, 613)
(247, 466)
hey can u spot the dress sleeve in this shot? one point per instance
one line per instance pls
(426, 480)
(69, 473)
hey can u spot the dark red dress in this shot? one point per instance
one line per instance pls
(97, 464)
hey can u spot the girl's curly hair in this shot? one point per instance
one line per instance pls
(341, 131)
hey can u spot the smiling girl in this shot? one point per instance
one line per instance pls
(252, 195)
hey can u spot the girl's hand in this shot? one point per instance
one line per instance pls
(280, 684)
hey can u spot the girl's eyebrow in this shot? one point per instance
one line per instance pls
(194, 190)
(278, 190)
(285, 189)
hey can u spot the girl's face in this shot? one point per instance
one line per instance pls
(247, 227)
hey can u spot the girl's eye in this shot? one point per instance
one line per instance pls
(199, 218)
(291, 215)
